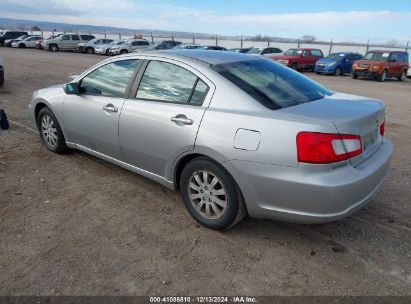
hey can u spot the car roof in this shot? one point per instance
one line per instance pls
(213, 58)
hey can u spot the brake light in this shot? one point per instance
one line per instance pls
(324, 148)
(382, 128)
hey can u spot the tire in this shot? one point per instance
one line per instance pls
(294, 66)
(402, 76)
(200, 200)
(1, 78)
(354, 75)
(89, 50)
(318, 73)
(53, 48)
(383, 76)
(122, 52)
(107, 52)
(50, 131)
(22, 46)
(338, 71)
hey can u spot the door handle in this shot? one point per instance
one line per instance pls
(181, 119)
(110, 108)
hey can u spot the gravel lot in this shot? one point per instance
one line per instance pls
(76, 225)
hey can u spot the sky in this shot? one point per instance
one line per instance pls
(347, 20)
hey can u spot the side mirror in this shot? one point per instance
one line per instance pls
(72, 88)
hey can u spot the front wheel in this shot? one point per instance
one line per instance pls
(50, 131)
(338, 72)
(122, 52)
(354, 75)
(383, 76)
(90, 50)
(53, 48)
(211, 195)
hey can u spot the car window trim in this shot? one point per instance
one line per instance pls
(129, 85)
(139, 77)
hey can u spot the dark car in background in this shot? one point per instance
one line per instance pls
(1, 72)
(240, 50)
(299, 59)
(11, 35)
(9, 42)
(172, 42)
(213, 48)
(337, 63)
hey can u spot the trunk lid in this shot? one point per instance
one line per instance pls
(350, 114)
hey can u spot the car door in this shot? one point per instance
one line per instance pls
(75, 40)
(305, 59)
(64, 43)
(394, 65)
(162, 120)
(91, 117)
(346, 63)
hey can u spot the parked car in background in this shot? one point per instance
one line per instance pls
(1, 71)
(11, 35)
(299, 59)
(213, 48)
(240, 50)
(380, 65)
(409, 72)
(89, 46)
(66, 42)
(293, 150)
(40, 43)
(172, 42)
(337, 63)
(29, 42)
(187, 46)
(103, 49)
(9, 42)
(265, 51)
(156, 47)
(129, 46)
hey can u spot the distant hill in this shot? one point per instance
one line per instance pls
(8, 23)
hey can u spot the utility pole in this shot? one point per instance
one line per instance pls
(406, 47)
(152, 38)
(216, 40)
(299, 42)
(241, 44)
(194, 40)
(331, 46)
(368, 45)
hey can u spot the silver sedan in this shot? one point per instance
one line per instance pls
(234, 133)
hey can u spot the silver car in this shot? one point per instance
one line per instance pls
(129, 47)
(104, 49)
(234, 133)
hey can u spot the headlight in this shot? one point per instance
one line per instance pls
(375, 67)
(332, 63)
(283, 61)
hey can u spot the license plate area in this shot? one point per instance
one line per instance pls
(370, 139)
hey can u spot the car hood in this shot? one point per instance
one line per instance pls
(369, 62)
(285, 57)
(326, 60)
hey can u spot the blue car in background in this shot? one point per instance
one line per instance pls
(336, 63)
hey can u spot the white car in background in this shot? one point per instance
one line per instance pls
(89, 47)
(104, 49)
(130, 46)
(29, 42)
(265, 51)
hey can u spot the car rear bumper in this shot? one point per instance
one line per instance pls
(302, 195)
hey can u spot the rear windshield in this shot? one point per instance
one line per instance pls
(272, 84)
(336, 56)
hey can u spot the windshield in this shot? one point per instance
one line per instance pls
(379, 56)
(254, 51)
(293, 52)
(336, 56)
(271, 84)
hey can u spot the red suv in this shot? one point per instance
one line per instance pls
(299, 59)
(382, 64)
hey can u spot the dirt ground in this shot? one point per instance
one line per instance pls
(76, 225)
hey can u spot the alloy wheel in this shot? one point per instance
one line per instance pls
(207, 194)
(49, 131)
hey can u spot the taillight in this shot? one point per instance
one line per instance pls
(382, 128)
(324, 148)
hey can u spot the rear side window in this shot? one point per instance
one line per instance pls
(163, 81)
(75, 37)
(109, 80)
(271, 84)
(316, 53)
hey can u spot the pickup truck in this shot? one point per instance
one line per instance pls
(65, 42)
(299, 59)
